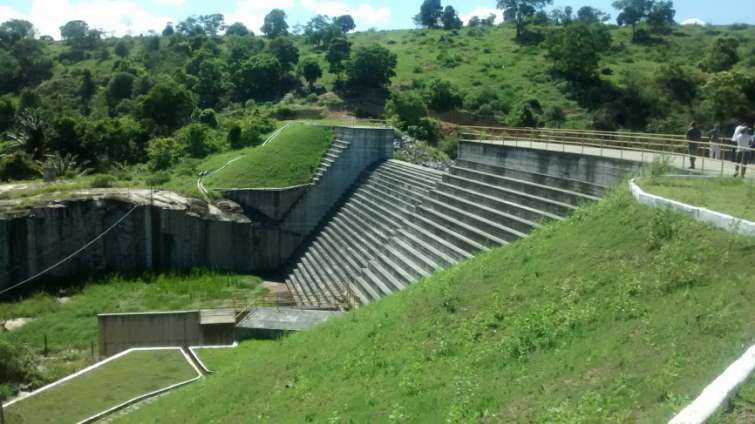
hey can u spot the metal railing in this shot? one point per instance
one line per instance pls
(620, 145)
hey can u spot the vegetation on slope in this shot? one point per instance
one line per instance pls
(290, 159)
(740, 408)
(621, 314)
(731, 196)
(122, 379)
(67, 318)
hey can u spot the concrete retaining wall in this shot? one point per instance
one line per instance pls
(120, 332)
(266, 203)
(592, 169)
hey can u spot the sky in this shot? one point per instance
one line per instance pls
(121, 17)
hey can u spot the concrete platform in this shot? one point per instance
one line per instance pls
(284, 319)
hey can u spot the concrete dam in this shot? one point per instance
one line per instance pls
(366, 226)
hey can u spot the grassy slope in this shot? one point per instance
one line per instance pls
(622, 313)
(125, 378)
(741, 408)
(291, 159)
(728, 195)
(72, 326)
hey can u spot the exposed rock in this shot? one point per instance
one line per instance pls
(15, 324)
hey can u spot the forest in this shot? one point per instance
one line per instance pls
(144, 107)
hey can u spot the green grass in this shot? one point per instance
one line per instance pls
(740, 409)
(71, 327)
(122, 379)
(291, 159)
(225, 358)
(621, 314)
(731, 196)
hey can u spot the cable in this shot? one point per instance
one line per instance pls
(71, 256)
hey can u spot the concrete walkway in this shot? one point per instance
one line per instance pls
(285, 319)
(704, 165)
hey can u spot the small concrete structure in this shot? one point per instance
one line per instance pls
(282, 320)
(123, 331)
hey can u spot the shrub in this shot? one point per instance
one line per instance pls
(103, 181)
(722, 55)
(163, 153)
(234, 137)
(196, 140)
(18, 166)
(209, 118)
(406, 109)
(18, 364)
(442, 96)
(426, 129)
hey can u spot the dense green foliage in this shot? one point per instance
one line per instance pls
(104, 101)
(625, 324)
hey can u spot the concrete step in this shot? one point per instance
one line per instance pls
(410, 269)
(378, 282)
(320, 288)
(565, 183)
(469, 217)
(409, 176)
(467, 237)
(335, 285)
(400, 182)
(392, 216)
(379, 231)
(427, 259)
(365, 293)
(294, 289)
(518, 197)
(390, 273)
(372, 238)
(496, 203)
(387, 200)
(385, 225)
(454, 245)
(425, 174)
(508, 220)
(305, 288)
(338, 270)
(352, 245)
(406, 195)
(333, 155)
(560, 195)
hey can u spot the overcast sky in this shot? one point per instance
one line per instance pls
(137, 16)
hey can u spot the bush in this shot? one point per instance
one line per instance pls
(485, 103)
(103, 181)
(406, 109)
(163, 153)
(18, 364)
(442, 96)
(196, 140)
(209, 118)
(234, 137)
(426, 129)
(18, 166)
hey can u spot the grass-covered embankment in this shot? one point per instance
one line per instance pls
(118, 381)
(740, 408)
(732, 196)
(69, 319)
(290, 159)
(621, 314)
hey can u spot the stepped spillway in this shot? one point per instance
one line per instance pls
(401, 222)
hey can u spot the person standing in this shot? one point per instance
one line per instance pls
(714, 138)
(693, 137)
(743, 138)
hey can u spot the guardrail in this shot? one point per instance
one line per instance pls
(639, 146)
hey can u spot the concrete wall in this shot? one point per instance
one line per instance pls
(592, 169)
(266, 203)
(119, 332)
(156, 238)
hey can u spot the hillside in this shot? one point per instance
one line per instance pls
(153, 105)
(620, 314)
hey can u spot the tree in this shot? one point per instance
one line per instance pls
(489, 21)
(283, 49)
(258, 78)
(87, 89)
(520, 10)
(212, 24)
(339, 51)
(722, 55)
(238, 29)
(725, 96)
(632, 13)
(442, 96)
(14, 30)
(474, 22)
(406, 109)
(315, 30)
(7, 114)
(210, 85)
(169, 30)
(660, 15)
(591, 15)
(310, 70)
(371, 66)
(163, 153)
(79, 36)
(121, 48)
(120, 87)
(429, 14)
(275, 24)
(563, 16)
(679, 81)
(167, 106)
(345, 23)
(576, 50)
(451, 19)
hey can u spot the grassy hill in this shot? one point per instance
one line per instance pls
(620, 314)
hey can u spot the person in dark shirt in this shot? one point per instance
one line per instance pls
(694, 135)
